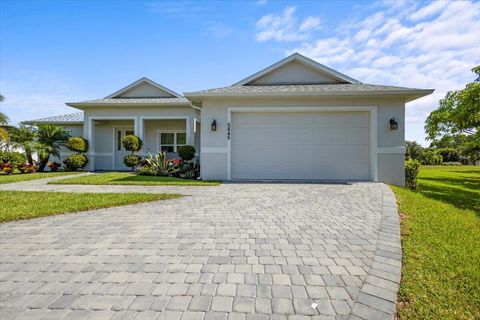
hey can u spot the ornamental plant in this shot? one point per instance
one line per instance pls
(132, 143)
(412, 168)
(75, 162)
(77, 144)
(54, 166)
(187, 152)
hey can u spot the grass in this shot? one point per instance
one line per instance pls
(33, 204)
(441, 245)
(127, 178)
(19, 177)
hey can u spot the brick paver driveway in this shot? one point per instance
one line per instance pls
(238, 251)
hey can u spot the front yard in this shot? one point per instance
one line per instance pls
(18, 205)
(441, 241)
(19, 177)
(128, 178)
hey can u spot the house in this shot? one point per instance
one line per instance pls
(296, 119)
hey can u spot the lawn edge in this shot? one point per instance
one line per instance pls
(378, 299)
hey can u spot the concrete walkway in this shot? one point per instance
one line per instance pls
(237, 251)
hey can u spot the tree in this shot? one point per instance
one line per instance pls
(413, 150)
(25, 137)
(50, 138)
(458, 114)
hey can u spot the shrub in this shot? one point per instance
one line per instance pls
(7, 168)
(28, 168)
(449, 155)
(54, 166)
(15, 159)
(145, 171)
(75, 162)
(77, 144)
(160, 165)
(431, 157)
(412, 168)
(187, 153)
(132, 143)
(132, 160)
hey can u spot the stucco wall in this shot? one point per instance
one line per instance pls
(214, 144)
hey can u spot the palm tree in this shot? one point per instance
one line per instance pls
(25, 137)
(50, 138)
(4, 137)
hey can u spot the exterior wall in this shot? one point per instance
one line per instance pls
(294, 72)
(142, 119)
(390, 144)
(75, 130)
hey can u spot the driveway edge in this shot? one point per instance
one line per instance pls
(378, 295)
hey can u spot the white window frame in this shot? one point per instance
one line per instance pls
(175, 144)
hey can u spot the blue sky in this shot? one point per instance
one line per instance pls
(57, 51)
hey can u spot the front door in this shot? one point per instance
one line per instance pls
(120, 151)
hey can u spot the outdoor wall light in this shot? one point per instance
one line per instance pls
(393, 124)
(214, 125)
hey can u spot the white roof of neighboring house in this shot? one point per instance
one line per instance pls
(71, 118)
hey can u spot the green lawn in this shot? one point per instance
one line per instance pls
(32, 204)
(19, 177)
(441, 245)
(127, 178)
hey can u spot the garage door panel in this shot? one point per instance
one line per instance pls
(308, 145)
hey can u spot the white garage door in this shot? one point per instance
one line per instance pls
(303, 145)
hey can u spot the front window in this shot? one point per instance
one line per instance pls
(170, 141)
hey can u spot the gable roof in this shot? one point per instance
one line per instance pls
(71, 118)
(144, 80)
(307, 62)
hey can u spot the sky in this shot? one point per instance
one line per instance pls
(52, 52)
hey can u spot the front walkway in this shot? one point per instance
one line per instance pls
(238, 251)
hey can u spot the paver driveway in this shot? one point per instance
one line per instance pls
(238, 251)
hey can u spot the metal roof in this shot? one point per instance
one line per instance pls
(131, 101)
(64, 118)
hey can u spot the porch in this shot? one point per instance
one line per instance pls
(159, 133)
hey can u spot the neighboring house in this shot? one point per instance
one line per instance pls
(296, 119)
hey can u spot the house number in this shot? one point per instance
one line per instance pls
(228, 131)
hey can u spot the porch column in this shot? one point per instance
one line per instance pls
(88, 133)
(190, 131)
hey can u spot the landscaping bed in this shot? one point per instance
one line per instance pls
(441, 240)
(128, 178)
(32, 204)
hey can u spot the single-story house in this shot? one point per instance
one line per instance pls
(294, 120)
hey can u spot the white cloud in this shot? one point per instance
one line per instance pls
(429, 46)
(310, 23)
(261, 2)
(284, 26)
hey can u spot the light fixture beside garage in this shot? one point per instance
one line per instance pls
(214, 125)
(393, 124)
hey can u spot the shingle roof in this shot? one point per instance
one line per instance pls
(302, 88)
(64, 118)
(131, 101)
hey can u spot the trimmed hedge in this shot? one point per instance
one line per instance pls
(132, 143)
(412, 168)
(75, 162)
(77, 144)
(132, 160)
(16, 159)
(187, 153)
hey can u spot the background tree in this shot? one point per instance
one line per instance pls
(25, 137)
(4, 137)
(459, 114)
(413, 150)
(50, 138)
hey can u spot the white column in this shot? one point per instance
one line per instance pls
(190, 131)
(89, 131)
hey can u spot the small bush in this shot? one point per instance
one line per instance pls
(132, 160)
(7, 168)
(77, 144)
(28, 168)
(15, 159)
(54, 166)
(75, 162)
(145, 170)
(187, 153)
(412, 168)
(132, 143)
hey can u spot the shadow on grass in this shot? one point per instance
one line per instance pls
(460, 198)
(464, 181)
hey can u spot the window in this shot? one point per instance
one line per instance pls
(170, 141)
